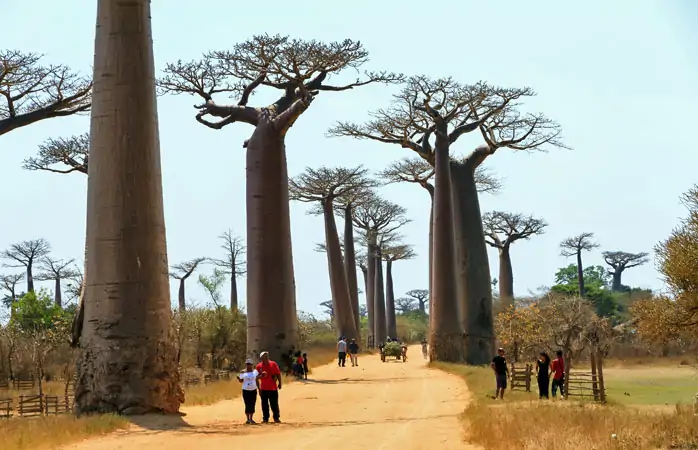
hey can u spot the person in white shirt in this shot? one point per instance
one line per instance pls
(248, 379)
(341, 352)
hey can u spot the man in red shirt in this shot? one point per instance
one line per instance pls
(269, 386)
(558, 369)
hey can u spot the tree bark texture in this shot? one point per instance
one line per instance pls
(79, 319)
(431, 253)
(58, 294)
(473, 270)
(30, 276)
(617, 284)
(272, 323)
(379, 321)
(506, 277)
(341, 299)
(580, 274)
(371, 283)
(391, 320)
(233, 292)
(180, 295)
(350, 268)
(127, 362)
(445, 335)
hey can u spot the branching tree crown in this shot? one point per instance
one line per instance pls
(502, 228)
(330, 183)
(425, 104)
(398, 252)
(299, 68)
(183, 270)
(52, 269)
(378, 215)
(25, 253)
(62, 155)
(620, 261)
(235, 249)
(575, 245)
(31, 91)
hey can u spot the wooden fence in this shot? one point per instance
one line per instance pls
(588, 385)
(520, 377)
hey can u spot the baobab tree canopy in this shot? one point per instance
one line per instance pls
(31, 91)
(299, 68)
(502, 228)
(70, 154)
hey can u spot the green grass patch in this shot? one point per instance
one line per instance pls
(658, 386)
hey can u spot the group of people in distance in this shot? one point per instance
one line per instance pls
(545, 368)
(343, 348)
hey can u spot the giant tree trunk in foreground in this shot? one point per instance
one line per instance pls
(350, 268)
(341, 300)
(506, 278)
(127, 362)
(473, 270)
(272, 323)
(431, 249)
(390, 318)
(379, 322)
(371, 283)
(445, 335)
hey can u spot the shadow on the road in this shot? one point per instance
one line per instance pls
(160, 422)
(354, 380)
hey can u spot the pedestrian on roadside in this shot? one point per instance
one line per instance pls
(543, 375)
(354, 352)
(425, 348)
(341, 352)
(557, 369)
(269, 386)
(248, 378)
(305, 365)
(501, 372)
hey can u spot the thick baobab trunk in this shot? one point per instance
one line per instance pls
(379, 322)
(30, 277)
(79, 319)
(58, 294)
(445, 335)
(473, 270)
(180, 295)
(127, 362)
(616, 285)
(580, 274)
(371, 284)
(506, 278)
(350, 268)
(391, 320)
(234, 292)
(341, 299)
(272, 323)
(431, 250)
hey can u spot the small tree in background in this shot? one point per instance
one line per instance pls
(25, 254)
(575, 246)
(233, 264)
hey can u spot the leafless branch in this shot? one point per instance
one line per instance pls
(70, 154)
(235, 249)
(577, 244)
(378, 215)
(52, 269)
(31, 92)
(329, 184)
(398, 252)
(183, 270)
(25, 253)
(503, 229)
(623, 260)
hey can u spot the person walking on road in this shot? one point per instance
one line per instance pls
(341, 352)
(501, 371)
(354, 352)
(425, 348)
(248, 378)
(543, 375)
(269, 386)
(558, 370)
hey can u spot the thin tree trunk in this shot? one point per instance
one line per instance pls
(473, 269)
(234, 292)
(127, 362)
(506, 278)
(390, 318)
(371, 285)
(341, 299)
(30, 277)
(350, 268)
(599, 370)
(58, 294)
(446, 337)
(616, 286)
(594, 380)
(379, 298)
(580, 274)
(180, 295)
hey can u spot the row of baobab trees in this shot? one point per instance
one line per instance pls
(125, 296)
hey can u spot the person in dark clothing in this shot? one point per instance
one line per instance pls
(543, 375)
(305, 365)
(501, 372)
(268, 386)
(354, 352)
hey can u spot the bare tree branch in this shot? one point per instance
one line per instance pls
(235, 249)
(378, 215)
(52, 269)
(398, 252)
(623, 260)
(335, 184)
(25, 253)
(183, 270)
(577, 244)
(503, 229)
(70, 154)
(31, 92)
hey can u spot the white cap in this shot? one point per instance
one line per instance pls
(261, 355)
(249, 361)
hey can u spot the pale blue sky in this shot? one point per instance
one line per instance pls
(620, 76)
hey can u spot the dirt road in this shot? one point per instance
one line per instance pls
(388, 406)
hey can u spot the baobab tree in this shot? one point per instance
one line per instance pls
(502, 229)
(8, 284)
(324, 186)
(575, 246)
(621, 261)
(25, 254)
(376, 217)
(299, 70)
(421, 296)
(443, 110)
(419, 171)
(62, 155)
(31, 91)
(182, 272)
(233, 264)
(127, 288)
(392, 254)
(405, 305)
(56, 270)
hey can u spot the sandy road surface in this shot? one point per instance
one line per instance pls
(377, 406)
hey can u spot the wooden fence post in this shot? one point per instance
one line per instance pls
(599, 368)
(594, 382)
(529, 372)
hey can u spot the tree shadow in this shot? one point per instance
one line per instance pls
(354, 380)
(160, 422)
